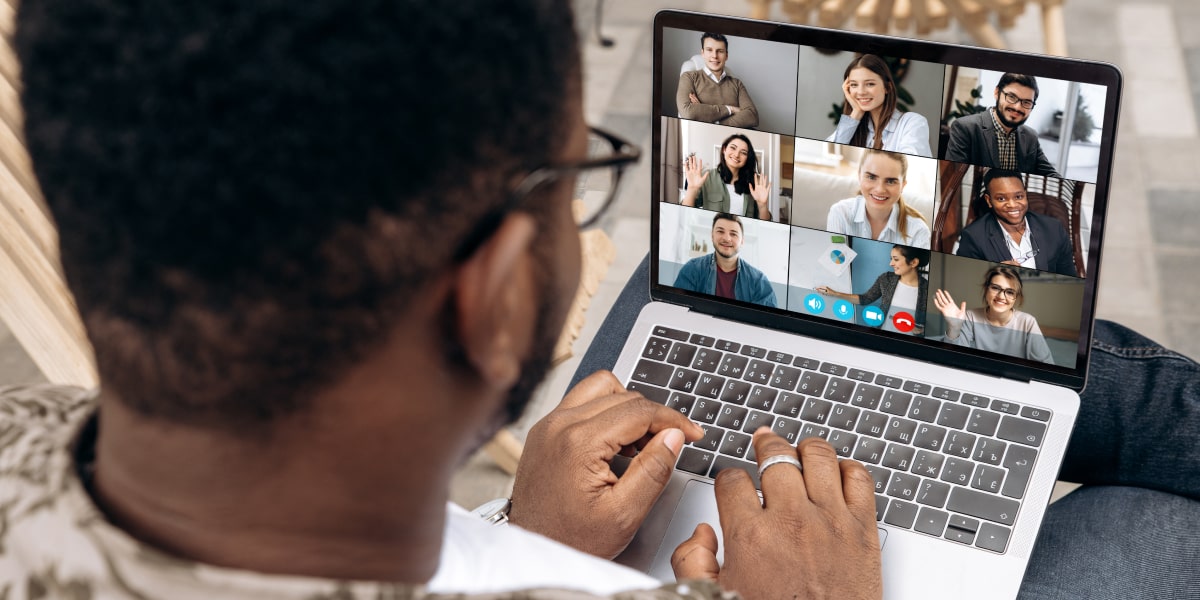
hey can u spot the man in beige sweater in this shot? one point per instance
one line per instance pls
(711, 94)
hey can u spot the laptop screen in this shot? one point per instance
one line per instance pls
(937, 201)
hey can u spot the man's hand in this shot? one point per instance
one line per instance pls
(813, 535)
(565, 489)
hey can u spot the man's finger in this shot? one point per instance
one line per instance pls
(781, 482)
(648, 473)
(737, 500)
(859, 490)
(696, 557)
(624, 423)
(596, 385)
(822, 477)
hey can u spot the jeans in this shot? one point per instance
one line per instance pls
(1133, 529)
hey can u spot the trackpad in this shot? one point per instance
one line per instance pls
(697, 505)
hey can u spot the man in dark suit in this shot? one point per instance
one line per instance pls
(998, 136)
(1010, 234)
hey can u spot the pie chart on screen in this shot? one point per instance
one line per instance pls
(838, 257)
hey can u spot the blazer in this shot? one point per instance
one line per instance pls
(973, 141)
(700, 275)
(885, 287)
(984, 239)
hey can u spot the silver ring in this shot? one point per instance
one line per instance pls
(777, 459)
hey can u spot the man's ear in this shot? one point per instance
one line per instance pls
(495, 302)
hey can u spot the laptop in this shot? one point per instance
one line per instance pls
(925, 304)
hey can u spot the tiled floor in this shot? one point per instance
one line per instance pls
(1149, 280)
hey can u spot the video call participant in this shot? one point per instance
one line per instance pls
(998, 326)
(879, 212)
(903, 289)
(998, 136)
(870, 118)
(723, 273)
(1011, 234)
(712, 95)
(738, 188)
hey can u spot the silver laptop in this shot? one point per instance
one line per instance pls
(922, 307)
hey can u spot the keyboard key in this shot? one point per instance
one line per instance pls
(1035, 413)
(681, 402)
(896, 403)
(959, 535)
(900, 430)
(873, 424)
(903, 485)
(754, 352)
(881, 477)
(916, 387)
(987, 478)
(957, 471)
(684, 380)
(653, 373)
(779, 357)
(812, 384)
(705, 410)
(733, 366)
(867, 396)
(667, 332)
(869, 450)
(735, 444)
(1022, 431)
(942, 393)
(806, 363)
(931, 521)
(964, 523)
(723, 462)
(759, 372)
(656, 349)
(702, 340)
(653, 394)
(843, 442)
(881, 503)
(928, 464)
(888, 381)
(989, 451)
(933, 493)
(682, 354)
(977, 401)
(860, 375)
(694, 461)
(788, 405)
(707, 360)
(732, 417)
(901, 514)
(811, 430)
(898, 457)
(711, 442)
(839, 390)
(843, 417)
(757, 419)
(762, 398)
(953, 416)
(1005, 407)
(833, 369)
(992, 537)
(959, 444)
(735, 391)
(929, 437)
(1019, 462)
(788, 429)
(983, 505)
(709, 386)
(785, 378)
(727, 346)
(924, 409)
(983, 422)
(816, 410)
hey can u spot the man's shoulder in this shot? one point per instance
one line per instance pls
(699, 261)
(979, 226)
(978, 119)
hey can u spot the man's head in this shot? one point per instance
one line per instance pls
(727, 235)
(1005, 195)
(1016, 96)
(252, 195)
(715, 50)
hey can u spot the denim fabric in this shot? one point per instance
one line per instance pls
(1136, 534)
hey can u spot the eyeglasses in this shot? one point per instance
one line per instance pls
(1008, 293)
(596, 177)
(1015, 99)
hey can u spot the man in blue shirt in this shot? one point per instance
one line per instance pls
(722, 273)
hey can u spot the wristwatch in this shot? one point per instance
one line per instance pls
(494, 511)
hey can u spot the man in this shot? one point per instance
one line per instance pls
(711, 94)
(308, 308)
(1010, 234)
(723, 273)
(998, 136)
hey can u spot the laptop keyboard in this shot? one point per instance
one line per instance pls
(946, 463)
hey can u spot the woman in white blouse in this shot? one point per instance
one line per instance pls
(869, 117)
(879, 211)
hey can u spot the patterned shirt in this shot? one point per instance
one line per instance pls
(55, 543)
(1006, 143)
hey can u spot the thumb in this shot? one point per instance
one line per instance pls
(696, 557)
(648, 473)
(963, 308)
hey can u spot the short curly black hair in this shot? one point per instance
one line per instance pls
(248, 193)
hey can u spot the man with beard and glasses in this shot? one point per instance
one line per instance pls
(998, 136)
(723, 273)
(299, 340)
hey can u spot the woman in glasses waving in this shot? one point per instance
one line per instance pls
(997, 326)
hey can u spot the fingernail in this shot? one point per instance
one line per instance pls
(674, 440)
